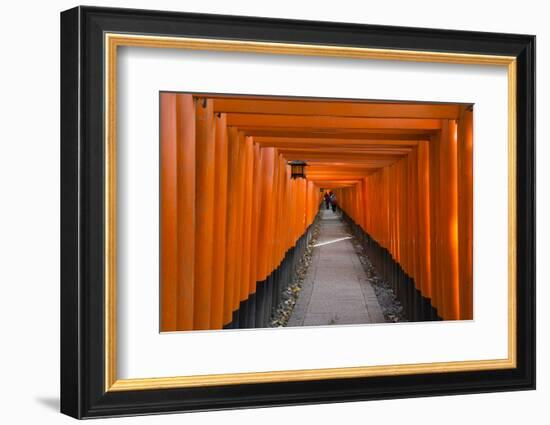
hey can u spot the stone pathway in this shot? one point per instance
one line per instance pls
(335, 290)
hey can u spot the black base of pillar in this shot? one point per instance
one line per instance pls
(257, 310)
(251, 318)
(235, 321)
(260, 304)
(243, 314)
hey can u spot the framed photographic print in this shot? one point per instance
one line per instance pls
(261, 212)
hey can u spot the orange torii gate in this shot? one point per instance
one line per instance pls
(229, 215)
(414, 211)
(233, 222)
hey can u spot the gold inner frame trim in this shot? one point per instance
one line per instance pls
(112, 41)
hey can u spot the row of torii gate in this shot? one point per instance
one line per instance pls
(233, 222)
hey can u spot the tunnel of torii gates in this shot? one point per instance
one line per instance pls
(233, 222)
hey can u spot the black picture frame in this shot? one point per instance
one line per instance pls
(82, 219)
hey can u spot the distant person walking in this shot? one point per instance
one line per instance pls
(327, 200)
(333, 202)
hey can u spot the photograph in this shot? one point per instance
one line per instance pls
(279, 212)
(268, 211)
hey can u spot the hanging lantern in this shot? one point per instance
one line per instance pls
(297, 169)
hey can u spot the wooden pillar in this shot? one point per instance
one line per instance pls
(424, 218)
(273, 254)
(465, 212)
(220, 224)
(267, 160)
(231, 224)
(204, 198)
(256, 238)
(412, 249)
(435, 237)
(444, 226)
(177, 211)
(186, 210)
(248, 158)
(451, 231)
(238, 203)
(168, 213)
(292, 231)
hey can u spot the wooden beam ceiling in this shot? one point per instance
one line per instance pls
(342, 141)
(337, 108)
(330, 123)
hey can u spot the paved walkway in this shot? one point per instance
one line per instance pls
(335, 289)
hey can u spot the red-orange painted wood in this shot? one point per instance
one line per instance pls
(239, 236)
(420, 209)
(465, 213)
(256, 204)
(220, 224)
(168, 213)
(186, 162)
(424, 224)
(268, 156)
(230, 211)
(247, 217)
(204, 223)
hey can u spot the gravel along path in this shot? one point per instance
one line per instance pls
(290, 295)
(391, 307)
